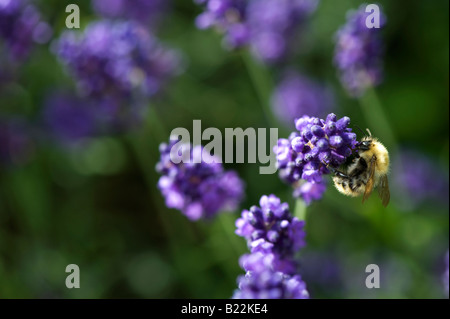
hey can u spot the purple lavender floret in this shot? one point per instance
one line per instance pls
(267, 26)
(297, 95)
(142, 11)
(21, 27)
(305, 155)
(117, 60)
(271, 227)
(198, 190)
(358, 52)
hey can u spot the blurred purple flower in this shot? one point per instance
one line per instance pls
(117, 66)
(358, 52)
(198, 190)
(267, 26)
(21, 27)
(417, 179)
(221, 13)
(306, 154)
(117, 60)
(322, 271)
(16, 145)
(142, 11)
(69, 118)
(273, 26)
(296, 95)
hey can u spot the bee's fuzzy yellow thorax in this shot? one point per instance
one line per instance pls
(381, 153)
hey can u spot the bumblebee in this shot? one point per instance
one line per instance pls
(368, 170)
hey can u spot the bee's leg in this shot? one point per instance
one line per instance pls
(337, 172)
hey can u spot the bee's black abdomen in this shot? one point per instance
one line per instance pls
(360, 168)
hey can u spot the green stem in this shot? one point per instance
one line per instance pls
(262, 84)
(155, 126)
(376, 117)
(300, 209)
(147, 163)
(30, 192)
(228, 228)
(145, 144)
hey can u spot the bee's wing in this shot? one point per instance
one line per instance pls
(370, 180)
(383, 190)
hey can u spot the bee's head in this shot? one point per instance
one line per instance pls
(365, 143)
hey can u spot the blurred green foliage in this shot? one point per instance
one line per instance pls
(98, 206)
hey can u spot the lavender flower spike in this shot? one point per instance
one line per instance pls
(274, 237)
(271, 227)
(358, 53)
(198, 190)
